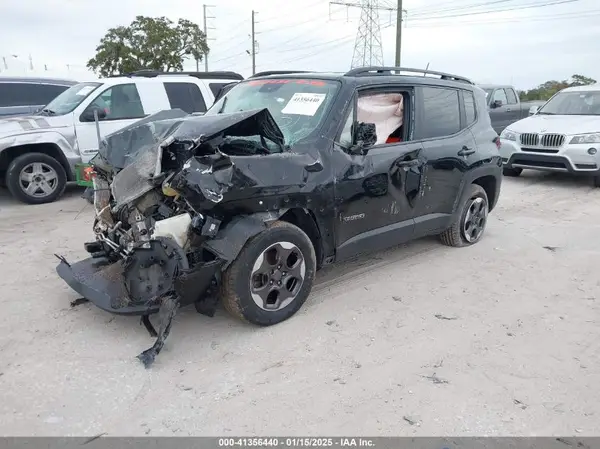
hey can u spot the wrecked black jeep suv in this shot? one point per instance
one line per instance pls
(284, 174)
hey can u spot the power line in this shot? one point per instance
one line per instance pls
(516, 8)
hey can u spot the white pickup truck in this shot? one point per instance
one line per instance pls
(38, 153)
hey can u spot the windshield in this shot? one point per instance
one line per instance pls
(70, 98)
(573, 103)
(298, 105)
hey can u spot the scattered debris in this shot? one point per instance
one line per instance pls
(443, 317)
(79, 301)
(148, 431)
(273, 365)
(412, 421)
(522, 405)
(578, 430)
(330, 322)
(510, 334)
(340, 381)
(551, 248)
(439, 364)
(184, 388)
(181, 370)
(357, 365)
(94, 438)
(213, 345)
(435, 379)
(397, 298)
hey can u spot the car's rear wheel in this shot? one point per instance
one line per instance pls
(472, 219)
(596, 181)
(36, 178)
(272, 276)
(514, 172)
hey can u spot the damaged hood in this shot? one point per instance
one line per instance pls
(123, 147)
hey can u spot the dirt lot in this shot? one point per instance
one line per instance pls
(497, 339)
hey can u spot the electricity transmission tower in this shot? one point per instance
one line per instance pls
(368, 49)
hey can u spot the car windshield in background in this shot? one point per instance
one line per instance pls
(298, 105)
(573, 103)
(70, 98)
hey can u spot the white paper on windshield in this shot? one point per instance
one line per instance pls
(304, 104)
(85, 90)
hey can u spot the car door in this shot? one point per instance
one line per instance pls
(499, 114)
(513, 108)
(440, 126)
(372, 191)
(123, 107)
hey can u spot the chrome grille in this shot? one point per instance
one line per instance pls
(530, 140)
(552, 140)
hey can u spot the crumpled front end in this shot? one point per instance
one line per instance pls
(152, 250)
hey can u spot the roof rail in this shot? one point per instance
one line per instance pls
(149, 73)
(278, 72)
(370, 71)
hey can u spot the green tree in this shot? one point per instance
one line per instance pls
(546, 90)
(148, 43)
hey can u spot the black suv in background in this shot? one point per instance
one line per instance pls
(22, 95)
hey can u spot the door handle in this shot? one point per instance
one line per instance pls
(412, 163)
(466, 151)
(508, 109)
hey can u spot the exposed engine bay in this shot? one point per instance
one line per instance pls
(158, 188)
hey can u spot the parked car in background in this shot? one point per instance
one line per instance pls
(504, 105)
(40, 153)
(22, 95)
(562, 136)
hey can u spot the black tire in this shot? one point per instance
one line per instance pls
(513, 172)
(235, 282)
(16, 188)
(455, 235)
(596, 181)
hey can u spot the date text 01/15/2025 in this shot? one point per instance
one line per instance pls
(295, 442)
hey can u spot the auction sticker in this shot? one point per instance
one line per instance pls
(304, 104)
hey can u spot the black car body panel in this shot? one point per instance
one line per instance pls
(227, 175)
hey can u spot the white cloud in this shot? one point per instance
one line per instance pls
(524, 46)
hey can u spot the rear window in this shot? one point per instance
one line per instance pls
(28, 94)
(185, 96)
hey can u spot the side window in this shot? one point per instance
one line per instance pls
(510, 96)
(15, 94)
(469, 100)
(185, 96)
(386, 111)
(441, 113)
(42, 94)
(500, 95)
(120, 102)
(346, 138)
(215, 88)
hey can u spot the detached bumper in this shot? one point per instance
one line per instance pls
(103, 284)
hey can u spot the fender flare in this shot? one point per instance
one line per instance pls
(230, 239)
(476, 173)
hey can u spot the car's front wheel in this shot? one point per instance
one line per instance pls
(272, 276)
(472, 219)
(36, 178)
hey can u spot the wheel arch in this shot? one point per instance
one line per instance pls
(51, 149)
(230, 239)
(489, 178)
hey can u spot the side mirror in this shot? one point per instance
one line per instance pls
(88, 114)
(533, 110)
(496, 104)
(365, 136)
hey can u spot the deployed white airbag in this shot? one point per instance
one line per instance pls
(385, 110)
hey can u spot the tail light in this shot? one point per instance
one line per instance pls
(497, 142)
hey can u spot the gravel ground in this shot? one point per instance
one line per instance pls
(497, 339)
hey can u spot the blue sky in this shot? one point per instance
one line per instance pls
(521, 43)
